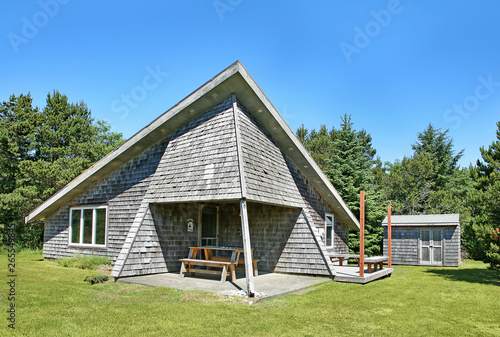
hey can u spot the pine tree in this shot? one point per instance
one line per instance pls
(409, 184)
(346, 157)
(438, 147)
(486, 227)
(41, 152)
(318, 143)
(18, 123)
(429, 181)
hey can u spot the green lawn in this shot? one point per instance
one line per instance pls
(52, 300)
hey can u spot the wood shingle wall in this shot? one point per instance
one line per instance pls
(141, 253)
(170, 221)
(123, 190)
(151, 197)
(281, 239)
(302, 254)
(267, 176)
(200, 162)
(315, 207)
(452, 247)
(406, 244)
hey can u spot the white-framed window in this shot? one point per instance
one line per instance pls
(88, 225)
(329, 230)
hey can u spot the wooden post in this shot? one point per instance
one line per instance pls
(389, 235)
(245, 231)
(247, 248)
(362, 234)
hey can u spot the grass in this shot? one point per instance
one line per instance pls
(84, 261)
(416, 301)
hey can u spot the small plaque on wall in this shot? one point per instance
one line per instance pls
(190, 224)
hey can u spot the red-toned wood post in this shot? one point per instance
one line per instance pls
(389, 235)
(362, 234)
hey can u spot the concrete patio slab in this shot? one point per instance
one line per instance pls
(267, 285)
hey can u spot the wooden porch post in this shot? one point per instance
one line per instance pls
(245, 231)
(362, 234)
(389, 235)
(247, 248)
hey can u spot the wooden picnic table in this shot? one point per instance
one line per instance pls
(211, 261)
(375, 261)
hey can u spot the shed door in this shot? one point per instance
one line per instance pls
(431, 246)
(210, 226)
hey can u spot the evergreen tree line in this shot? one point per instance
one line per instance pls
(427, 182)
(41, 150)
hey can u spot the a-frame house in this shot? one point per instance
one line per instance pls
(219, 168)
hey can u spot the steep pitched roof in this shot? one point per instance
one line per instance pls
(224, 155)
(423, 220)
(200, 162)
(233, 80)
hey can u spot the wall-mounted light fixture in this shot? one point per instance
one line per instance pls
(190, 225)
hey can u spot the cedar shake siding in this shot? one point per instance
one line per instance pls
(267, 176)
(406, 243)
(280, 243)
(200, 162)
(452, 247)
(123, 191)
(222, 144)
(280, 237)
(315, 206)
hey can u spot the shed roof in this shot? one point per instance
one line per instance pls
(233, 80)
(424, 220)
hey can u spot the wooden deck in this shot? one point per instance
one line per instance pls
(350, 274)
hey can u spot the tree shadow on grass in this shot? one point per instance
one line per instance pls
(472, 275)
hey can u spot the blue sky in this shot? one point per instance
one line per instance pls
(395, 66)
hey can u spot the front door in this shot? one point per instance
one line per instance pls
(431, 246)
(210, 226)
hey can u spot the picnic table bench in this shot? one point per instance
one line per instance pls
(211, 262)
(341, 257)
(188, 266)
(240, 265)
(376, 261)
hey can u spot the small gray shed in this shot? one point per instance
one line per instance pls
(430, 239)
